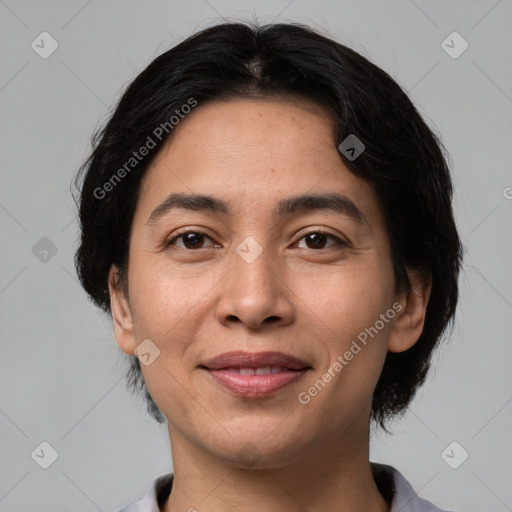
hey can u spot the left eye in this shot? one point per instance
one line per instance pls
(318, 239)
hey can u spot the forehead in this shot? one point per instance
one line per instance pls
(243, 133)
(252, 153)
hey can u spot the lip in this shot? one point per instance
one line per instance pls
(224, 369)
(243, 359)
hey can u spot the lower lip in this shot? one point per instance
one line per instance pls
(255, 386)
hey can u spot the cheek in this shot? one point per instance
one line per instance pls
(347, 299)
(346, 306)
(165, 297)
(167, 309)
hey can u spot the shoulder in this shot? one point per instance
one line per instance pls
(405, 498)
(154, 498)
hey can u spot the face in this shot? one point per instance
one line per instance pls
(257, 269)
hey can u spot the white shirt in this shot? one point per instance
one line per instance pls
(405, 499)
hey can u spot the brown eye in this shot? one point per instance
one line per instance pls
(190, 240)
(318, 240)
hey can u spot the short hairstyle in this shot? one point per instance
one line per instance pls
(403, 160)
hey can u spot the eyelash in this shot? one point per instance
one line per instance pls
(317, 232)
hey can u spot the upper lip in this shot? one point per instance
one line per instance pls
(242, 359)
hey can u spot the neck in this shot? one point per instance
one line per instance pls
(327, 476)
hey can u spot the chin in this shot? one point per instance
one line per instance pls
(260, 450)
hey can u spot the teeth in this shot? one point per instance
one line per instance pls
(263, 371)
(260, 371)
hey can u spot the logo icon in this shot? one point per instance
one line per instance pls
(44, 45)
(147, 352)
(249, 454)
(249, 249)
(44, 250)
(351, 147)
(44, 455)
(454, 45)
(454, 455)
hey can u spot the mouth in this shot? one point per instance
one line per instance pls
(255, 374)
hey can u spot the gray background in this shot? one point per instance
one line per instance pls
(61, 372)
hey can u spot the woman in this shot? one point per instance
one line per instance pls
(268, 220)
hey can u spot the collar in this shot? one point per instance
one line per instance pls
(389, 480)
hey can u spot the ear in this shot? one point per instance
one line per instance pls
(121, 314)
(408, 324)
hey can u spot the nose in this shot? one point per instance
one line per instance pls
(256, 294)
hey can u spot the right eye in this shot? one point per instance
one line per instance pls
(190, 240)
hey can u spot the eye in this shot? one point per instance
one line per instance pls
(190, 240)
(195, 240)
(318, 240)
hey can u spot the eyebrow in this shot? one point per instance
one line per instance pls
(292, 205)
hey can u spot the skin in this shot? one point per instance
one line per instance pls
(196, 301)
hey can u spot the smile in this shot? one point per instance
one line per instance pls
(255, 375)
